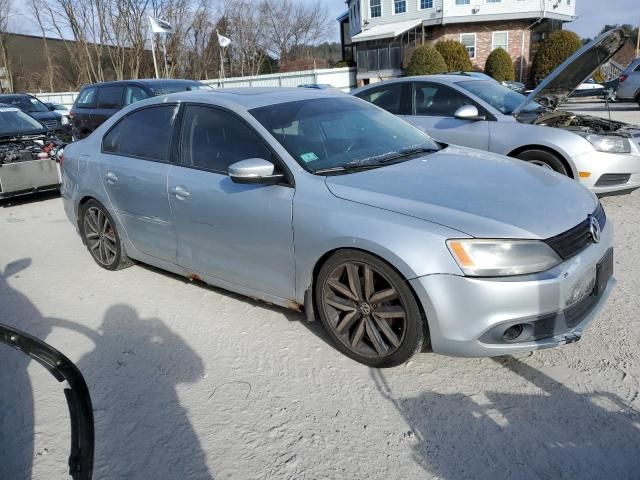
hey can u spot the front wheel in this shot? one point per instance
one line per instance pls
(101, 237)
(544, 159)
(368, 310)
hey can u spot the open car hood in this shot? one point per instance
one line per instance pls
(75, 390)
(561, 83)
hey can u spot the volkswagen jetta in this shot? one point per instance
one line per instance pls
(315, 200)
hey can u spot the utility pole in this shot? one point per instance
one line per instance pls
(638, 43)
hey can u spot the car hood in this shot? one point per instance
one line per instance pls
(560, 83)
(477, 193)
(44, 115)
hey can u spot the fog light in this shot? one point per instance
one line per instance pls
(513, 332)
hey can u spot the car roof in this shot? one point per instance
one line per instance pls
(150, 82)
(15, 95)
(248, 97)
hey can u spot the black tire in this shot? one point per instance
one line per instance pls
(544, 159)
(369, 323)
(638, 99)
(101, 237)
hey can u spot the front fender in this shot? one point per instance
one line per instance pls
(412, 246)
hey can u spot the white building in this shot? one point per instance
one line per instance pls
(379, 34)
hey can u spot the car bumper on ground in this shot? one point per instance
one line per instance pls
(469, 317)
(608, 172)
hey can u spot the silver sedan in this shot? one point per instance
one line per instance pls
(602, 155)
(319, 201)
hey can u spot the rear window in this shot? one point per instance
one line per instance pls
(144, 133)
(87, 97)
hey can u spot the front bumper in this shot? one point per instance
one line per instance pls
(600, 165)
(466, 314)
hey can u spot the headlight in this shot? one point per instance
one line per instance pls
(609, 144)
(64, 120)
(495, 258)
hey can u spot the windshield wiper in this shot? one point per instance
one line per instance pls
(376, 161)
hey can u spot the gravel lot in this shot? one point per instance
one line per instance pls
(191, 382)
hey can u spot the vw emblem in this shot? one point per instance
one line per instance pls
(365, 308)
(594, 229)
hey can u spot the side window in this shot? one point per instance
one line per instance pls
(637, 69)
(432, 99)
(144, 133)
(133, 94)
(388, 97)
(213, 139)
(110, 97)
(87, 97)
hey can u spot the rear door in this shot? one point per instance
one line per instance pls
(110, 98)
(82, 110)
(241, 234)
(433, 109)
(134, 166)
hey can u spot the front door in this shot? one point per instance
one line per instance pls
(241, 234)
(134, 167)
(433, 109)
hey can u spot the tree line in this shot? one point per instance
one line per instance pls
(111, 39)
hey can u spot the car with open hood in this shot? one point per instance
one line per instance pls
(318, 201)
(601, 154)
(28, 154)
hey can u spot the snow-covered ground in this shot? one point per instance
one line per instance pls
(192, 382)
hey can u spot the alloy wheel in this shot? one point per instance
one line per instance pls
(364, 310)
(101, 237)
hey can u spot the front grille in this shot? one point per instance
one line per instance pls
(573, 241)
(51, 124)
(612, 179)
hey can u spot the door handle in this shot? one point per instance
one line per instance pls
(180, 192)
(111, 177)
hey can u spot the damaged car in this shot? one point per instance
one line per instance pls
(601, 154)
(29, 154)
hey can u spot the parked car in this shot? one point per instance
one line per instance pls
(588, 88)
(313, 199)
(57, 107)
(629, 83)
(603, 155)
(28, 154)
(97, 102)
(53, 121)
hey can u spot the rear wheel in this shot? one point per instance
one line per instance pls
(368, 310)
(545, 159)
(638, 99)
(101, 237)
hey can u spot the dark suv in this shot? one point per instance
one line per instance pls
(97, 102)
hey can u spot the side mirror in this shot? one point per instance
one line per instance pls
(468, 112)
(254, 171)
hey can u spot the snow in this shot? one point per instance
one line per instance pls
(192, 382)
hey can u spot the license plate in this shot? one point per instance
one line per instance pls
(604, 271)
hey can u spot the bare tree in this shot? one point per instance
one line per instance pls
(292, 24)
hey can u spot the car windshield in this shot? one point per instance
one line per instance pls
(15, 122)
(498, 96)
(26, 104)
(341, 134)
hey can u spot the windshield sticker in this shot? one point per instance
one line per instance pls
(308, 157)
(10, 109)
